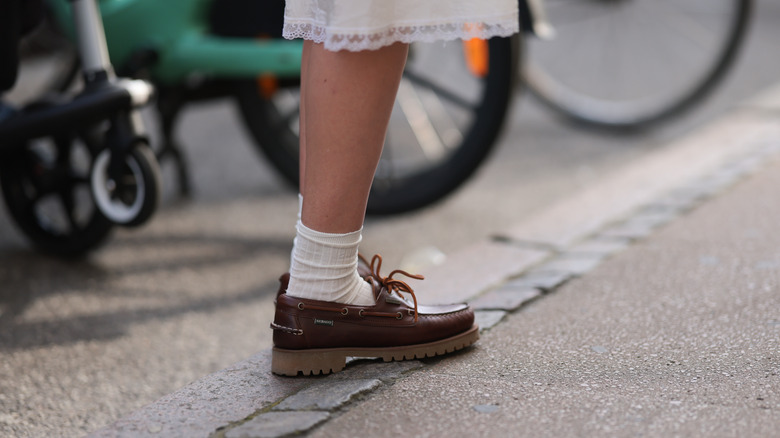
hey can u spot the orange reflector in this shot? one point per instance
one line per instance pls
(267, 85)
(477, 56)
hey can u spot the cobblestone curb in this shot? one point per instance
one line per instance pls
(315, 403)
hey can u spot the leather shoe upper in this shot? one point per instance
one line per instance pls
(393, 321)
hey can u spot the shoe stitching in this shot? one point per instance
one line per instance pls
(341, 310)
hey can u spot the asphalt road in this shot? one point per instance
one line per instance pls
(85, 342)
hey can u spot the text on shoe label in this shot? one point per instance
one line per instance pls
(323, 322)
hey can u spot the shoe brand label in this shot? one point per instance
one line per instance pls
(323, 322)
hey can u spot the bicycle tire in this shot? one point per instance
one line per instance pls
(274, 129)
(47, 195)
(135, 201)
(591, 96)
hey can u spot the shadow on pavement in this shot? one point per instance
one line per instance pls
(136, 279)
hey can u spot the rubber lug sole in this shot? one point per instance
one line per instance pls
(331, 360)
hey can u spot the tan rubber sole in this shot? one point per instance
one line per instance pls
(332, 360)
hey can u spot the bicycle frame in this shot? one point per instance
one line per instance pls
(103, 95)
(177, 32)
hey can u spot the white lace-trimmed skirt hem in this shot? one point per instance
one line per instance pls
(370, 24)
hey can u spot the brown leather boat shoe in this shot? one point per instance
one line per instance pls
(316, 337)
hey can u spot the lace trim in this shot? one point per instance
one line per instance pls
(404, 34)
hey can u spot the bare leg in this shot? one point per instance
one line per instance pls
(346, 100)
(302, 113)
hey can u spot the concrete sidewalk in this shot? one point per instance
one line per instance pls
(660, 316)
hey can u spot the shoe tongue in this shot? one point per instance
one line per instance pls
(396, 299)
(389, 295)
(375, 287)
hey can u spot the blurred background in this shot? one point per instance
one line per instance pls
(85, 341)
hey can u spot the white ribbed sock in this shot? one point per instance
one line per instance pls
(324, 268)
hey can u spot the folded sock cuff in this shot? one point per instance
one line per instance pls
(329, 239)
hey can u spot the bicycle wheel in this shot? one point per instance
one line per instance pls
(132, 199)
(446, 119)
(47, 191)
(632, 63)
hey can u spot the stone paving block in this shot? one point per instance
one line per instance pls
(654, 218)
(544, 280)
(526, 244)
(487, 319)
(327, 395)
(637, 227)
(508, 299)
(666, 204)
(640, 225)
(628, 231)
(473, 270)
(722, 179)
(673, 203)
(602, 247)
(684, 197)
(696, 191)
(575, 266)
(202, 407)
(376, 369)
(277, 424)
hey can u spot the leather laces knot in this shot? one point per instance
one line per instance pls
(390, 283)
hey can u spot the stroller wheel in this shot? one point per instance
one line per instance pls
(46, 188)
(132, 197)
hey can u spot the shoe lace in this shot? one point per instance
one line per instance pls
(390, 283)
